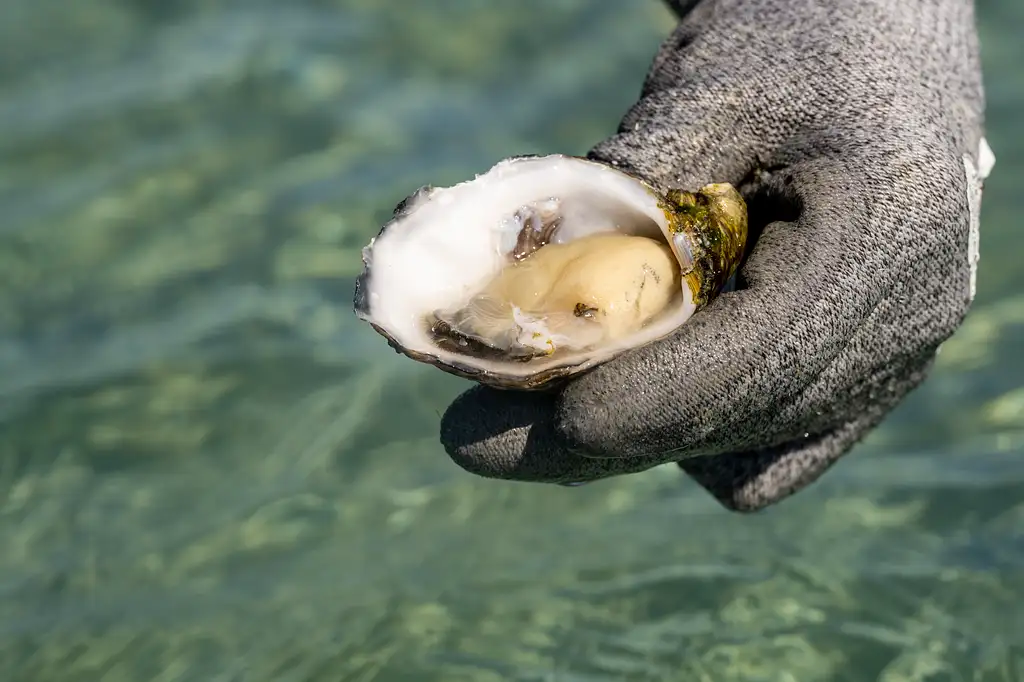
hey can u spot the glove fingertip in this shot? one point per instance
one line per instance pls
(749, 482)
(503, 434)
(470, 432)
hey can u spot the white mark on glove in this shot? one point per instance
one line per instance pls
(975, 184)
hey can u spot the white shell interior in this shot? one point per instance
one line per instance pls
(452, 241)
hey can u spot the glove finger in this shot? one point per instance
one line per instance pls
(510, 435)
(751, 481)
(716, 385)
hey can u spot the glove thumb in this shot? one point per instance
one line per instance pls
(689, 128)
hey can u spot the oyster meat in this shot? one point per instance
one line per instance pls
(545, 266)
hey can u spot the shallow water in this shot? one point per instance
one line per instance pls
(210, 471)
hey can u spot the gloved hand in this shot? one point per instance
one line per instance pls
(854, 127)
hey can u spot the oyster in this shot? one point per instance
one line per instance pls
(545, 266)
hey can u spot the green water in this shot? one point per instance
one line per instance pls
(210, 471)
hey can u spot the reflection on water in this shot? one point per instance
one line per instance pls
(210, 471)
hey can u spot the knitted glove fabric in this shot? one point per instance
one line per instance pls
(854, 129)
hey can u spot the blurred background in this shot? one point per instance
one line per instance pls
(209, 470)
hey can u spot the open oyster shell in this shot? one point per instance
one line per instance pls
(545, 266)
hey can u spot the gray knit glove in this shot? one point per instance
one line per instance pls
(854, 127)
